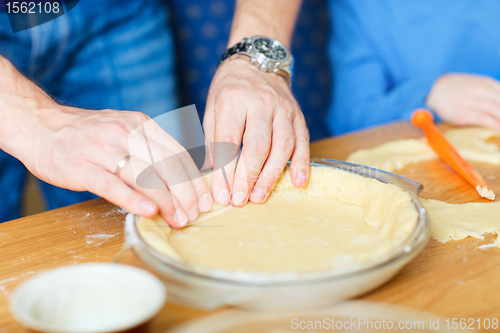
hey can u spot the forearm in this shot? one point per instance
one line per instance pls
(21, 102)
(270, 18)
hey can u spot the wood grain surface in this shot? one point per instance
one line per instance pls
(459, 279)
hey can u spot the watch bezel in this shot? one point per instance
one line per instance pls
(274, 42)
(247, 49)
(266, 63)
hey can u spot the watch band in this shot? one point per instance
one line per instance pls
(239, 48)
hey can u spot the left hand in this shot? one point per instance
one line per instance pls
(466, 99)
(247, 105)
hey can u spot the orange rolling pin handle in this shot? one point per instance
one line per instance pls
(423, 119)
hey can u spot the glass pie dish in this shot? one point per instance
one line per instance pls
(209, 288)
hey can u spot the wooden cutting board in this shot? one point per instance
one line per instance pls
(459, 279)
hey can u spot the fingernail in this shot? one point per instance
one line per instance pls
(301, 177)
(193, 213)
(205, 203)
(239, 198)
(258, 195)
(148, 207)
(180, 217)
(223, 197)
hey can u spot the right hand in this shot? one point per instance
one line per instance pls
(466, 99)
(246, 105)
(80, 149)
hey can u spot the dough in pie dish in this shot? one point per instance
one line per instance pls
(339, 219)
(448, 221)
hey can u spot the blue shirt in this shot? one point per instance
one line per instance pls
(386, 54)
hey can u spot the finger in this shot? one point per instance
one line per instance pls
(162, 197)
(198, 183)
(144, 149)
(488, 105)
(205, 200)
(113, 189)
(228, 134)
(157, 184)
(495, 89)
(255, 151)
(282, 146)
(484, 118)
(172, 172)
(172, 163)
(208, 128)
(300, 162)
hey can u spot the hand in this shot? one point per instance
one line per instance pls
(80, 149)
(246, 104)
(465, 99)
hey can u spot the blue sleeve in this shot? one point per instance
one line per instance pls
(364, 92)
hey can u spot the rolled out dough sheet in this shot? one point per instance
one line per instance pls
(338, 219)
(448, 221)
(458, 221)
(470, 142)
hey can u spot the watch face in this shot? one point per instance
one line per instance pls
(271, 49)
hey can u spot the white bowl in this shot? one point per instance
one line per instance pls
(348, 316)
(95, 297)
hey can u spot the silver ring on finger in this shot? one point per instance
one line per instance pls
(121, 164)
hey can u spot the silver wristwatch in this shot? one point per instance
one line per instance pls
(266, 53)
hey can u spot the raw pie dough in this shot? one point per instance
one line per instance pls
(470, 142)
(455, 221)
(338, 219)
(448, 221)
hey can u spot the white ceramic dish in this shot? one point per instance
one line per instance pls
(347, 316)
(95, 297)
(207, 288)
